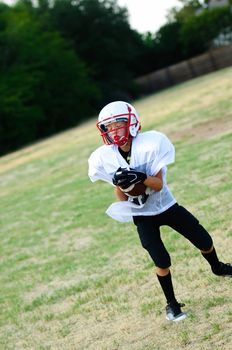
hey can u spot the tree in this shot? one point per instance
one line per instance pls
(44, 86)
(188, 9)
(102, 37)
(198, 33)
(167, 46)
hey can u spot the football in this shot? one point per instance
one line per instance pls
(135, 190)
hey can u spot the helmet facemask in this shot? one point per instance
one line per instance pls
(115, 112)
(119, 135)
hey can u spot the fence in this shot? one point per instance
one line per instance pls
(208, 62)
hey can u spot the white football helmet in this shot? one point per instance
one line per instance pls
(118, 111)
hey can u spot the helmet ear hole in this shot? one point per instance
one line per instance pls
(103, 127)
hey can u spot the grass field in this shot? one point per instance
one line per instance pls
(72, 278)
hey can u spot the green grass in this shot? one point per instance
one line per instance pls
(72, 278)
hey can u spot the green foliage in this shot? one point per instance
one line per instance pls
(167, 46)
(189, 31)
(102, 37)
(199, 31)
(189, 9)
(58, 64)
(44, 86)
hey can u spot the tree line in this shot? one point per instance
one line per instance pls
(62, 61)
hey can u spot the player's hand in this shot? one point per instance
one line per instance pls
(124, 177)
(119, 176)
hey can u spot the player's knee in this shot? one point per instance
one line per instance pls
(207, 251)
(162, 271)
(162, 261)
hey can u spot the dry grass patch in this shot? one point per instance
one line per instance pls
(207, 129)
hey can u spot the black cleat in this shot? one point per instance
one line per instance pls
(174, 313)
(224, 270)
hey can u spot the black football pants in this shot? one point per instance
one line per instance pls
(178, 218)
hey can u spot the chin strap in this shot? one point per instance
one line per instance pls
(120, 141)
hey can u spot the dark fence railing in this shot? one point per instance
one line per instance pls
(208, 62)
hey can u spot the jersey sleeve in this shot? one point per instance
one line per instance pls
(164, 154)
(96, 170)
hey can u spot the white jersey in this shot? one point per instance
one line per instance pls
(151, 151)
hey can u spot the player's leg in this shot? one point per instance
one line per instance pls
(173, 308)
(149, 233)
(218, 268)
(186, 224)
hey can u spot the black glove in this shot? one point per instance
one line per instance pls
(124, 177)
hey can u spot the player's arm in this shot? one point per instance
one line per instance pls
(120, 195)
(155, 182)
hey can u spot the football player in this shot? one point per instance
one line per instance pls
(130, 157)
